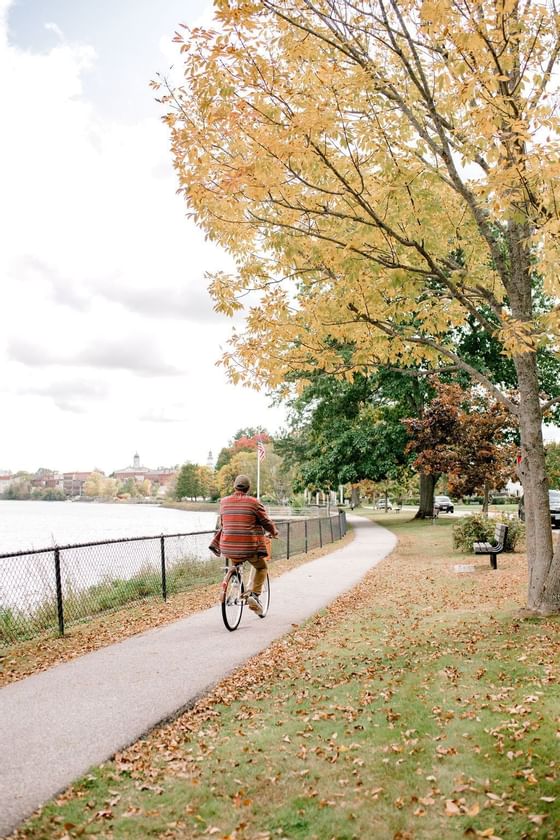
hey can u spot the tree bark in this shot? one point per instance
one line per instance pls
(543, 593)
(544, 574)
(485, 499)
(427, 487)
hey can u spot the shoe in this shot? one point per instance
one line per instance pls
(254, 603)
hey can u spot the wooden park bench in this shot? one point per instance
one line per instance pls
(495, 548)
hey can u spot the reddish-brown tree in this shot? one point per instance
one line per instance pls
(466, 436)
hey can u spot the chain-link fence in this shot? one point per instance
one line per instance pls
(50, 588)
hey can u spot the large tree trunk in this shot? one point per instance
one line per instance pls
(544, 571)
(543, 594)
(427, 487)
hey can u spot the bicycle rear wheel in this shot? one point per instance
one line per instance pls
(265, 597)
(232, 600)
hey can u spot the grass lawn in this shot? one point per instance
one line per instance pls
(420, 705)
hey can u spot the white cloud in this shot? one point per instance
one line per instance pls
(32, 270)
(103, 304)
(107, 353)
(179, 302)
(69, 395)
(53, 27)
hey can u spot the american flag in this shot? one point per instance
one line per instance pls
(261, 451)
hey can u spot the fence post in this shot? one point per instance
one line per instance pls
(320, 533)
(287, 540)
(59, 604)
(163, 576)
(330, 523)
(305, 534)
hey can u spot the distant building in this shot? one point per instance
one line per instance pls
(514, 488)
(137, 472)
(210, 460)
(73, 482)
(6, 478)
(160, 478)
(48, 478)
(162, 475)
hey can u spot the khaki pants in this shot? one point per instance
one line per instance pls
(258, 562)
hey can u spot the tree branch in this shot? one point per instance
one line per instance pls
(424, 341)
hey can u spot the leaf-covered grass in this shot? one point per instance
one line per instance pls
(420, 705)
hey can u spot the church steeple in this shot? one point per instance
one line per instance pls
(136, 461)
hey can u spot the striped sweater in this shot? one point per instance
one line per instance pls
(243, 524)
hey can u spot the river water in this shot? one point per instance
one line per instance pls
(27, 581)
(25, 525)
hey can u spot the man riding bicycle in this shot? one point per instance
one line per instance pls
(243, 521)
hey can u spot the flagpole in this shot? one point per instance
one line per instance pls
(258, 474)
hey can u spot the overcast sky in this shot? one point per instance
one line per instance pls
(108, 340)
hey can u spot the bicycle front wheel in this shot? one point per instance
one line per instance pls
(265, 597)
(232, 601)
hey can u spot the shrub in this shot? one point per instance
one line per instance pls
(298, 503)
(479, 528)
(516, 531)
(471, 529)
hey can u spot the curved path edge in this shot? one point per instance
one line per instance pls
(57, 724)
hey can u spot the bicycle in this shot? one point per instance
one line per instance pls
(236, 587)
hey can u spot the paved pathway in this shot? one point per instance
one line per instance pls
(56, 725)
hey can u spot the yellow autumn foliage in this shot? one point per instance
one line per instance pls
(380, 171)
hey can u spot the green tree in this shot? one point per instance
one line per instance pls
(224, 457)
(276, 476)
(343, 432)
(189, 485)
(348, 432)
(53, 494)
(129, 488)
(19, 489)
(208, 483)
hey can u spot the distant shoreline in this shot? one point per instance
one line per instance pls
(192, 506)
(201, 506)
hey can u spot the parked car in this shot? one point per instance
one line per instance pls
(383, 504)
(443, 504)
(553, 503)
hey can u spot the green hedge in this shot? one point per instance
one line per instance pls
(475, 528)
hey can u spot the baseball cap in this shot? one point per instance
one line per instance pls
(242, 482)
